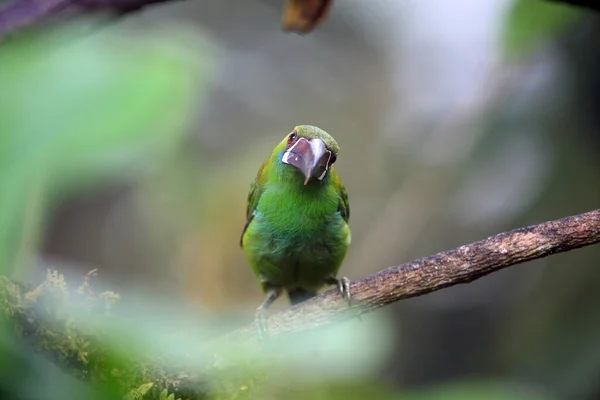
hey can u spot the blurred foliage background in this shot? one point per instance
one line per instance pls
(130, 148)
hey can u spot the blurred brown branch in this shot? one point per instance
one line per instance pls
(19, 14)
(589, 4)
(461, 265)
(299, 15)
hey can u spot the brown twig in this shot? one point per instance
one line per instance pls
(453, 267)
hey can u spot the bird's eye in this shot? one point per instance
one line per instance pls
(333, 158)
(292, 138)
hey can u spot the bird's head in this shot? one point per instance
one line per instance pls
(310, 150)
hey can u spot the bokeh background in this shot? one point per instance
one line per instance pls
(129, 148)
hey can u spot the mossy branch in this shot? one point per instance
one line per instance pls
(69, 326)
(42, 315)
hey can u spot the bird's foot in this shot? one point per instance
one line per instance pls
(343, 285)
(260, 319)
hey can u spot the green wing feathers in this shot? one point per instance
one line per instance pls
(343, 205)
(256, 189)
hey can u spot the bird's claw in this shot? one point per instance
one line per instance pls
(344, 286)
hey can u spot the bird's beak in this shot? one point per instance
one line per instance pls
(310, 156)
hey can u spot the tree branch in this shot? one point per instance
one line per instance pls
(84, 352)
(461, 265)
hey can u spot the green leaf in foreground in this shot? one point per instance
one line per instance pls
(76, 112)
(479, 390)
(529, 23)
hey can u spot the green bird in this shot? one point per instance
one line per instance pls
(296, 234)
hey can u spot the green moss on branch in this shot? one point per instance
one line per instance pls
(67, 327)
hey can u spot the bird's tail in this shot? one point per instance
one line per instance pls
(299, 295)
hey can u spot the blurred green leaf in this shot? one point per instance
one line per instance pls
(529, 23)
(351, 389)
(478, 390)
(164, 395)
(133, 353)
(139, 392)
(75, 112)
